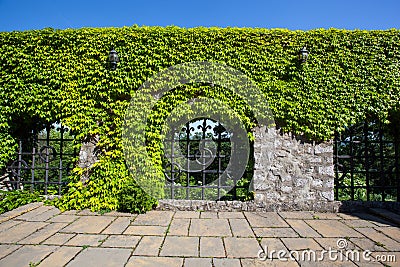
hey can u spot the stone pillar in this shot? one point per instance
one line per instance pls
(292, 174)
(88, 156)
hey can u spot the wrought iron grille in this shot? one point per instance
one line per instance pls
(366, 158)
(43, 161)
(195, 142)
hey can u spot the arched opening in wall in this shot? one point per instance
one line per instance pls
(196, 165)
(44, 159)
(367, 158)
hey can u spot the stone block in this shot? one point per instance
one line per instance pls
(328, 195)
(286, 189)
(323, 148)
(317, 183)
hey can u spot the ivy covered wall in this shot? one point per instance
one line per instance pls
(50, 75)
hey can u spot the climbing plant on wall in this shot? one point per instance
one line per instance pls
(51, 75)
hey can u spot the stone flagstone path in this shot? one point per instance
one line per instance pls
(38, 235)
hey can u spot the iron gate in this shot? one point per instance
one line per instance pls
(193, 142)
(43, 161)
(366, 158)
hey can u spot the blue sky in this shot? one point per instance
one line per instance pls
(303, 15)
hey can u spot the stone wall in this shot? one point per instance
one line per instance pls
(292, 174)
(289, 174)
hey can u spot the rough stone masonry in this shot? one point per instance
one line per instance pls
(292, 174)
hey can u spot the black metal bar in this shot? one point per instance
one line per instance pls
(33, 168)
(61, 158)
(203, 130)
(351, 165)
(188, 162)
(172, 172)
(19, 164)
(381, 157)
(47, 158)
(366, 162)
(397, 164)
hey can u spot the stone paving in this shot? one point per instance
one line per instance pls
(38, 235)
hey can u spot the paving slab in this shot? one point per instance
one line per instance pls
(89, 224)
(95, 257)
(230, 215)
(301, 243)
(331, 243)
(6, 225)
(326, 216)
(302, 228)
(333, 228)
(59, 239)
(43, 233)
(86, 240)
(367, 244)
(149, 246)
(146, 230)
(209, 215)
(21, 210)
(68, 218)
(272, 263)
(374, 219)
(388, 215)
(7, 249)
(187, 214)
(182, 246)
(358, 223)
(368, 263)
(20, 231)
(34, 212)
(87, 212)
(27, 255)
(60, 257)
(296, 214)
(275, 232)
(266, 219)
(273, 244)
(348, 216)
(3, 218)
(241, 228)
(241, 247)
(392, 232)
(226, 262)
(70, 212)
(179, 227)
(327, 263)
(212, 247)
(121, 241)
(380, 238)
(119, 214)
(209, 227)
(136, 261)
(118, 226)
(45, 215)
(162, 218)
(197, 262)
